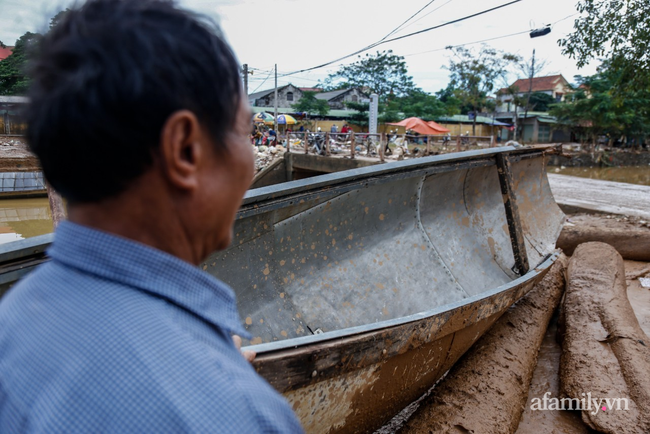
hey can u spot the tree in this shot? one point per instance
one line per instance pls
(310, 104)
(13, 74)
(448, 97)
(383, 73)
(617, 30)
(13, 77)
(359, 118)
(540, 101)
(474, 74)
(598, 109)
(422, 105)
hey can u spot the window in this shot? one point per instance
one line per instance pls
(289, 96)
(355, 98)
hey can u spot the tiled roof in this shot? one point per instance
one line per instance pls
(263, 93)
(5, 52)
(540, 84)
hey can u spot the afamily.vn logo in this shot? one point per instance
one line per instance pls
(587, 403)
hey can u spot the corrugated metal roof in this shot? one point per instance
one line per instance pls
(14, 99)
(331, 114)
(464, 119)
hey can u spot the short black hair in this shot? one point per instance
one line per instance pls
(108, 76)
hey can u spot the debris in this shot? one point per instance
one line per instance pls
(603, 352)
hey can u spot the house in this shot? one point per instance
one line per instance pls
(287, 96)
(5, 52)
(555, 85)
(336, 99)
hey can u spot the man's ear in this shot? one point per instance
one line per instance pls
(181, 149)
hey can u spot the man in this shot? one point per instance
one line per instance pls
(139, 120)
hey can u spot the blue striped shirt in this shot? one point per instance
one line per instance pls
(115, 336)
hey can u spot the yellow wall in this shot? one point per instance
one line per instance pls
(17, 127)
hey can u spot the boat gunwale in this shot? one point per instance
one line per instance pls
(410, 168)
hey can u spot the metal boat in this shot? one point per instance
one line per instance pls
(361, 288)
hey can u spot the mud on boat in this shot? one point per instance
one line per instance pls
(362, 288)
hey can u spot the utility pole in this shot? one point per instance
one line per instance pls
(530, 91)
(275, 121)
(245, 72)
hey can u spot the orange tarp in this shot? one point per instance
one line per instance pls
(420, 126)
(437, 126)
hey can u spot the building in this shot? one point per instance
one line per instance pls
(287, 96)
(555, 85)
(336, 99)
(5, 52)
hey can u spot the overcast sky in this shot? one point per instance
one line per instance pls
(299, 34)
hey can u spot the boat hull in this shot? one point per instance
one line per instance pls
(356, 384)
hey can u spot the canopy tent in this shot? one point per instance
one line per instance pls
(420, 126)
(437, 126)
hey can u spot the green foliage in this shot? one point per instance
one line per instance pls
(422, 105)
(473, 75)
(359, 118)
(13, 78)
(310, 104)
(383, 73)
(540, 101)
(13, 74)
(597, 108)
(617, 30)
(452, 103)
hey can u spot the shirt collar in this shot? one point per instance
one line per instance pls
(145, 268)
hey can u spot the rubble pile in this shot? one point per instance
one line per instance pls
(265, 155)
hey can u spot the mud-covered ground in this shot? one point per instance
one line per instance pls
(15, 156)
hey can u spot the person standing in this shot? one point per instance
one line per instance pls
(121, 332)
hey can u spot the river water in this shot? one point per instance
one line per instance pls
(632, 175)
(24, 218)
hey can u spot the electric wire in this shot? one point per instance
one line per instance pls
(397, 38)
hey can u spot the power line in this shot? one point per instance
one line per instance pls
(485, 40)
(429, 13)
(262, 83)
(404, 36)
(467, 43)
(410, 18)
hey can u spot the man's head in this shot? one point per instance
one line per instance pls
(126, 92)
